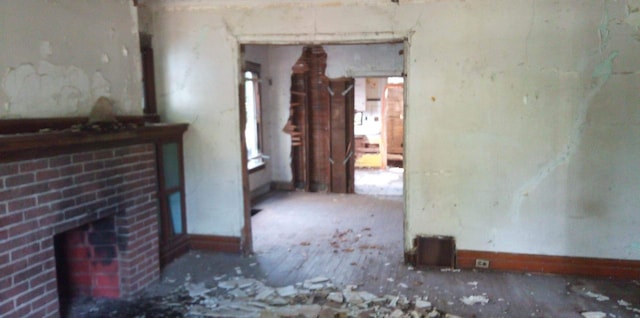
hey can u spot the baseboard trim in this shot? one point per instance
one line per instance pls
(564, 265)
(282, 185)
(214, 243)
(259, 192)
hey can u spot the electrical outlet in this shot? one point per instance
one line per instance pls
(482, 263)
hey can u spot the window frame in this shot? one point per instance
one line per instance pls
(255, 162)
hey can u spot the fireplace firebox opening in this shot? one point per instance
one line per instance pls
(87, 263)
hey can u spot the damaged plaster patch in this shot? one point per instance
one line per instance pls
(125, 51)
(601, 74)
(100, 86)
(633, 17)
(603, 70)
(603, 31)
(50, 90)
(105, 58)
(45, 49)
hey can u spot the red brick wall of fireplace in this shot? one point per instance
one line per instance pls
(42, 198)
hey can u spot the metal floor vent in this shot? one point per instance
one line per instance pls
(432, 251)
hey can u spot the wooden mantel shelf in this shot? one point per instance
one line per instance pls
(21, 146)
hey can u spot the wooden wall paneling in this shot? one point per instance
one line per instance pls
(394, 119)
(319, 120)
(338, 140)
(297, 126)
(351, 142)
(341, 135)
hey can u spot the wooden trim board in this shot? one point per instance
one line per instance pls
(564, 265)
(215, 243)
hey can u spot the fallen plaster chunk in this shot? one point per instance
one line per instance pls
(311, 286)
(238, 293)
(196, 290)
(422, 304)
(453, 270)
(393, 300)
(336, 297)
(229, 284)
(598, 297)
(264, 293)
(623, 303)
(594, 314)
(474, 284)
(451, 316)
(475, 299)
(238, 271)
(295, 311)
(368, 297)
(396, 314)
(318, 280)
(278, 301)
(352, 297)
(433, 314)
(245, 283)
(286, 291)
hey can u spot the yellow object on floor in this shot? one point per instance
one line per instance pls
(369, 160)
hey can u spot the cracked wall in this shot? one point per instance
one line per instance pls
(521, 129)
(58, 57)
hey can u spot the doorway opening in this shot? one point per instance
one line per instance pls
(276, 180)
(379, 136)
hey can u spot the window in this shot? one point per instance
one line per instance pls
(253, 129)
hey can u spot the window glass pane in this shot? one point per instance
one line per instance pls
(175, 208)
(251, 105)
(171, 167)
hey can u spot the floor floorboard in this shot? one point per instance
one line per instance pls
(357, 239)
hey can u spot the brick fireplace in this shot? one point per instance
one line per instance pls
(81, 221)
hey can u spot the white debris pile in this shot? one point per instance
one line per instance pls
(475, 299)
(317, 297)
(594, 314)
(628, 306)
(598, 297)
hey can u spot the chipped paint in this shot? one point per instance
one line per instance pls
(100, 86)
(104, 58)
(601, 75)
(603, 30)
(633, 17)
(125, 51)
(603, 70)
(45, 49)
(51, 90)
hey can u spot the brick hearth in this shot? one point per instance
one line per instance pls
(44, 197)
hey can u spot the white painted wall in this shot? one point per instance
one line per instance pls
(58, 57)
(521, 119)
(364, 60)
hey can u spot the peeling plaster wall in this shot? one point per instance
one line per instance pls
(522, 120)
(58, 57)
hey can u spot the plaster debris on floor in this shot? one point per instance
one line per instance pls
(247, 297)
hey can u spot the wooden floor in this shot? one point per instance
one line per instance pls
(350, 238)
(355, 239)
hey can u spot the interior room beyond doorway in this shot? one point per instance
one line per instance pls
(379, 135)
